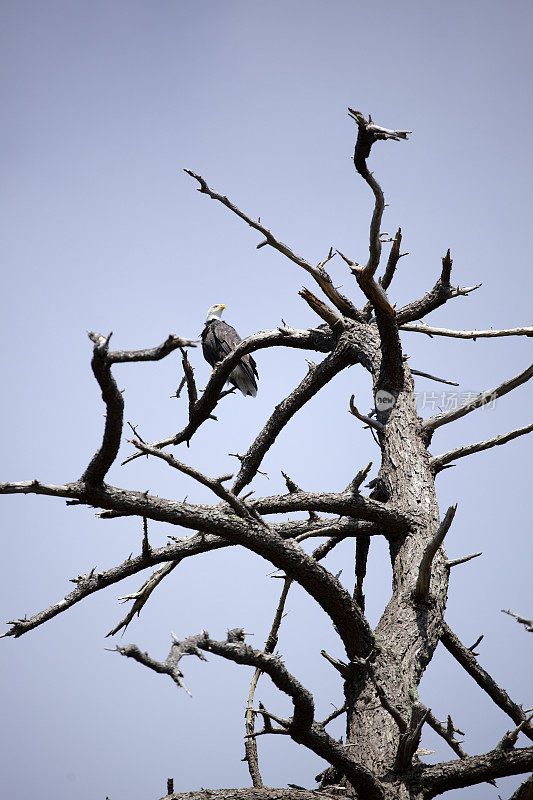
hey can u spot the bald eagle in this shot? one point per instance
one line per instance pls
(218, 340)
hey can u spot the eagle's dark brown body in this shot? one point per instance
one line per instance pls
(218, 340)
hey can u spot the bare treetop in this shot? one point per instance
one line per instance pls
(379, 669)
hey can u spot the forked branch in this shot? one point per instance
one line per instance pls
(301, 726)
(368, 133)
(436, 297)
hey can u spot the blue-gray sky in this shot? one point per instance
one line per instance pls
(105, 103)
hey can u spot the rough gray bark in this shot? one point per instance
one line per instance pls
(382, 667)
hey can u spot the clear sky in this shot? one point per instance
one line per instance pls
(104, 104)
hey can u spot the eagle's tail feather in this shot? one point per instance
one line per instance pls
(243, 379)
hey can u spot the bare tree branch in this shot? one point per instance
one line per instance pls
(345, 504)
(436, 297)
(510, 738)
(329, 315)
(270, 646)
(353, 628)
(468, 661)
(320, 275)
(528, 623)
(215, 484)
(368, 133)
(489, 395)
(456, 561)
(524, 791)
(112, 397)
(439, 778)
(170, 344)
(372, 423)
(410, 740)
(424, 574)
(447, 733)
(173, 554)
(140, 597)
(301, 726)
(188, 376)
(438, 462)
(334, 715)
(319, 340)
(430, 331)
(433, 377)
(315, 380)
(392, 262)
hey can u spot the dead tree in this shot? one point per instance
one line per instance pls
(380, 669)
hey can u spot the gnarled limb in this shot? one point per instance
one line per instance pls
(368, 133)
(101, 366)
(173, 554)
(301, 726)
(112, 397)
(320, 584)
(335, 320)
(188, 377)
(372, 423)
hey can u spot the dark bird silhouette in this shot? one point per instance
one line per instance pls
(218, 340)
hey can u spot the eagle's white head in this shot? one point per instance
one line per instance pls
(215, 312)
